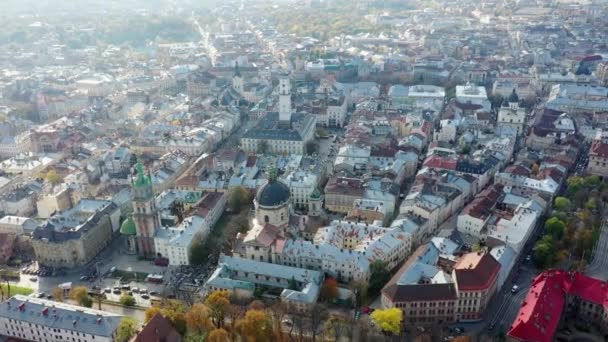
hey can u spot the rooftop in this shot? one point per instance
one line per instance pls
(64, 316)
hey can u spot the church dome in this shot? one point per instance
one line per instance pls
(272, 194)
(128, 227)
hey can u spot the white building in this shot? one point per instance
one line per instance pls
(241, 276)
(301, 184)
(516, 230)
(472, 94)
(510, 114)
(352, 157)
(573, 98)
(12, 146)
(42, 320)
(174, 243)
(521, 185)
(17, 225)
(446, 132)
(427, 96)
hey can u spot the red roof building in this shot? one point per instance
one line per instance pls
(437, 162)
(475, 276)
(598, 156)
(541, 313)
(158, 329)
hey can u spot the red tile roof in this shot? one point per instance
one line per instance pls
(476, 271)
(541, 311)
(158, 329)
(599, 149)
(438, 162)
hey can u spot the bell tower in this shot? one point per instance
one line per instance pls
(145, 214)
(284, 102)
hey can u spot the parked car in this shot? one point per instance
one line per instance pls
(145, 296)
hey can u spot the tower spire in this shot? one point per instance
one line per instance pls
(237, 70)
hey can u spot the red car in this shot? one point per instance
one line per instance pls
(367, 310)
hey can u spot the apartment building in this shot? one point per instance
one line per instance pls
(42, 320)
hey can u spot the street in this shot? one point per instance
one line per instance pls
(598, 268)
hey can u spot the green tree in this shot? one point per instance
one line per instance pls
(53, 177)
(199, 252)
(238, 197)
(81, 295)
(292, 284)
(562, 203)
(263, 147)
(379, 275)
(127, 300)
(591, 204)
(311, 147)
(555, 227)
(126, 329)
(389, 320)
(544, 251)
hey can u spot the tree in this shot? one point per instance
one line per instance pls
(255, 326)
(173, 310)
(127, 300)
(81, 295)
(218, 303)
(535, 169)
(198, 250)
(389, 320)
(360, 289)
(238, 197)
(311, 147)
(263, 147)
(197, 318)
(562, 203)
(218, 335)
(379, 275)
(292, 284)
(316, 315)
(544, 251)
(555, 227)
(591, 204)
(126, 329)
(329, 289)
(57, 294)
(466, 149)
(53, 177)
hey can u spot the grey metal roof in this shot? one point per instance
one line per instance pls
(273, 193)
(268, 128)
(60, 315)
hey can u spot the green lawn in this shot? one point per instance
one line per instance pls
(16, 290)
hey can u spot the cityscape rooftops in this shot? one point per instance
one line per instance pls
(64, 316)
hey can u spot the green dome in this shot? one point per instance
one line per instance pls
(128, 227)
(316, 194)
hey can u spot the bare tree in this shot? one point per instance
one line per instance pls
(316, 315)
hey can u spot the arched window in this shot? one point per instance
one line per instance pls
(266, 219)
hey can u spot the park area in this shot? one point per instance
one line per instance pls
(574, 225)
(14, 290)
